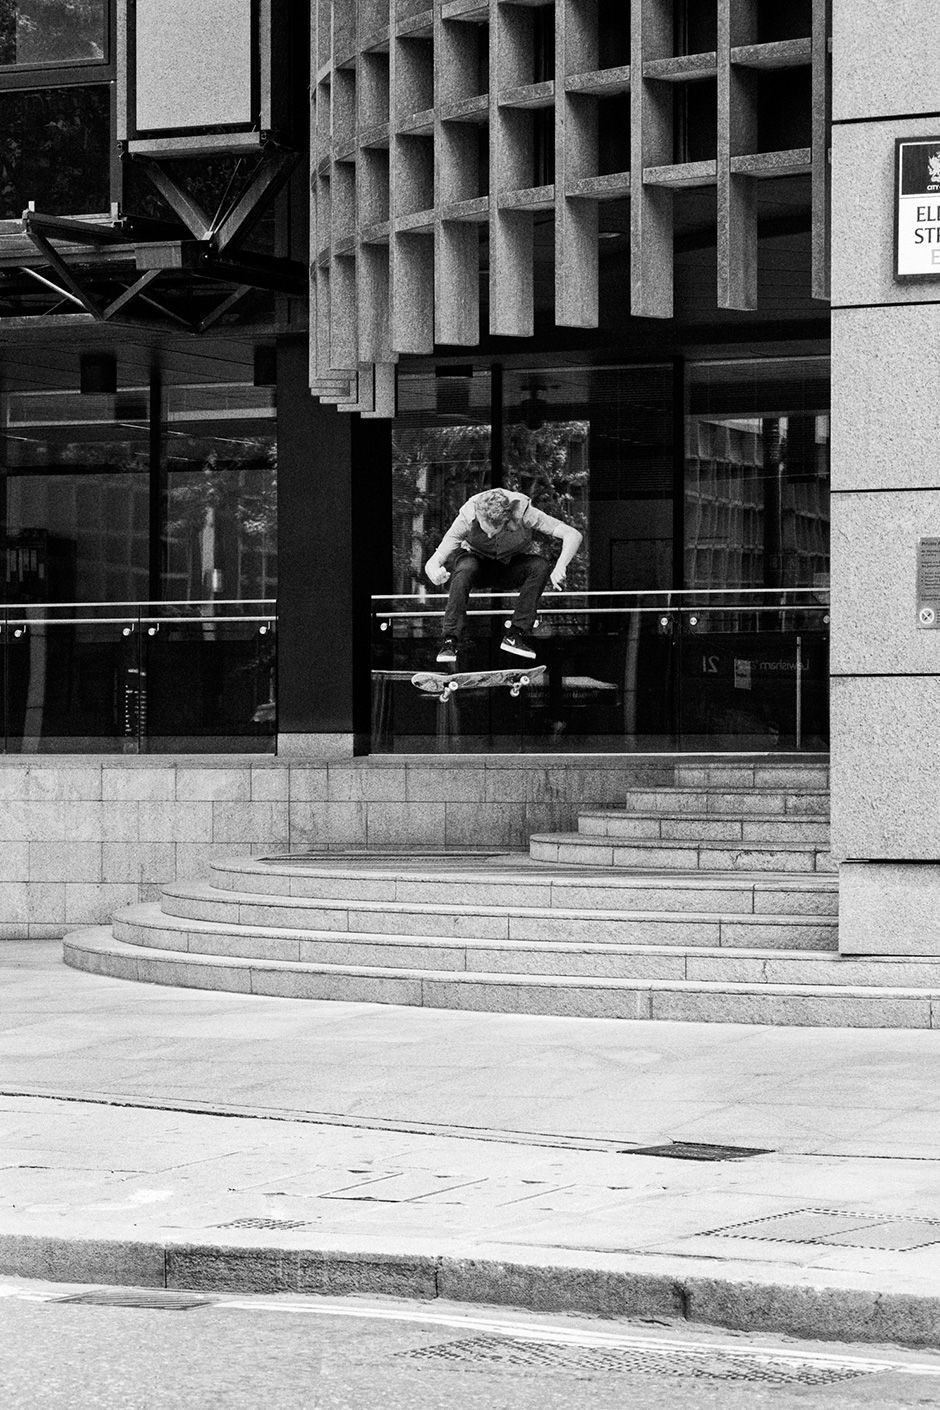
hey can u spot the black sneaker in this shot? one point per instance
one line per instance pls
(517, 645)
(447, 651)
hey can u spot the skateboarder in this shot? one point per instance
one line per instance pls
(489, 545)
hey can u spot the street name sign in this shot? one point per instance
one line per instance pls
(917, 208)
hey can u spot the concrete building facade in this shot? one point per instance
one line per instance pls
(597, 251)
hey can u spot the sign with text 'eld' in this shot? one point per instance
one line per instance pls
(917, 234)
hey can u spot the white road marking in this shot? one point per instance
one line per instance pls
(523, 1331)
(563, 1336)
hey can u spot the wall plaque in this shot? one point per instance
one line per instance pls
(917, 209)
(928, 584)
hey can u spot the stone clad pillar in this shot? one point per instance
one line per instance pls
(886, 491)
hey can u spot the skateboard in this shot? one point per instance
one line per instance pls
(443, 685)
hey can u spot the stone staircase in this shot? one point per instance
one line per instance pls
(713, 899)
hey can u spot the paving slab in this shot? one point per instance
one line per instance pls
(184, 1138)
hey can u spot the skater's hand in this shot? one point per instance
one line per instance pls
(558, 578)
(436, 572)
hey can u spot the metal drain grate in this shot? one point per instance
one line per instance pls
(696, 1150)
(838, 1228)
(513, 1353)
(158, 1299)
(264, 1224)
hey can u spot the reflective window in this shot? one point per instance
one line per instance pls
(593, 446)
(46, 33)
(632, 657)
(757, 474)
(222, 493)
(77, 497)
(440, 457)
(55, 151)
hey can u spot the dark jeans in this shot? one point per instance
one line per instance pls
(527, 571)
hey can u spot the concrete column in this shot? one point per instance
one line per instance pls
(886, 492)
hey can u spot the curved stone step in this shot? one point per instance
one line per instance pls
(790, 930)
(702, 827)
(742, 773)
(97, 951)
(764, 802)
(517, 881)
(633, 931)
(146, 925)
(576, 848)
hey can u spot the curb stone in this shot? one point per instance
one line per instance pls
(552, 1282)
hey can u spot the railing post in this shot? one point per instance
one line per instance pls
(799, 692)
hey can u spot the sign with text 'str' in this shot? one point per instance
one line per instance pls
(917, 232)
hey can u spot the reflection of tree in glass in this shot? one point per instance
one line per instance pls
(222, 518)
(211, 181)
(435, 469)
(51, 31)
(55, 151)
(551, 466)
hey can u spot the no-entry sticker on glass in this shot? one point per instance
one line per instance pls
(917, 233)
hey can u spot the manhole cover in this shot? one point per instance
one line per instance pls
(696, 1150)
(513, 1353)
(838, 1228)
(157, 1299)
(264, 1224)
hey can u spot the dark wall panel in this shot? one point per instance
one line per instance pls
(315, 550)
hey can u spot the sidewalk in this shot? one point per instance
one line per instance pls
(155, 1136)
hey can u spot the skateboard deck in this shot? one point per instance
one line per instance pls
(444, 684)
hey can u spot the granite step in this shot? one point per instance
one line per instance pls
(516, 880)
(748, 930)
(97, 951)
(702, 827)
(544, 889)
(764, 802)
(741, 774)
(146, 925)
(577, 848)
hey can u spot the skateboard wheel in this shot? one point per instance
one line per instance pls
(523, 680)
(514, 690)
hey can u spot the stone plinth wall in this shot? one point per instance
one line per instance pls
(81, 836)
(885, 493)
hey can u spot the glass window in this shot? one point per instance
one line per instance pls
(629, 660)
(593, 446)
(757, 474)
(46, 33)
(440, 457)
(77, 498)
(222, 493)
(55, 151)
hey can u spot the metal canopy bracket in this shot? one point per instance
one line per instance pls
(200, 257)
(213, 252)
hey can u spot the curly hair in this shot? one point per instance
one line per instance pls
(494, 506)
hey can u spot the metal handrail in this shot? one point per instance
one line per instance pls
(122, 621)
(20, 614)
(608, 611)
(151, 602)
(612, 592)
